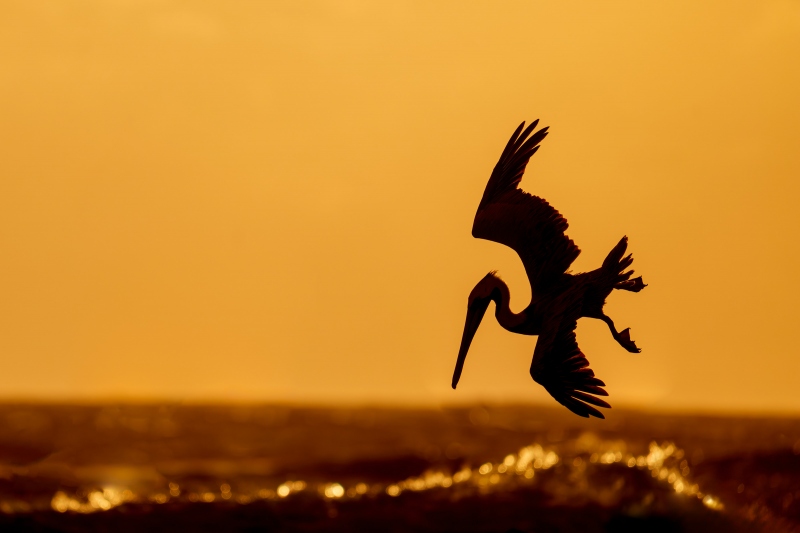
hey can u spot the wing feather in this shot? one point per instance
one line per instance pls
(521, 221)
(563, 370)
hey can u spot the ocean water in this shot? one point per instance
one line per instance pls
(175, 467)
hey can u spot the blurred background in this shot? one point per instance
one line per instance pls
(235, 256)
(272, 201)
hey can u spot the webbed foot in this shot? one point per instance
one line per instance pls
(633, 285)
(624, 339)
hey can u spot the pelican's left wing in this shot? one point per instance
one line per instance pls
(526, 223)
(562, 369)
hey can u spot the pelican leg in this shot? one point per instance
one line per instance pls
(622, 337)
(633, 285)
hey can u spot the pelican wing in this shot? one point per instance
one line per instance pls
(562, 369)
(521, 221)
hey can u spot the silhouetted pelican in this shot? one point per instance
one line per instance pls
(532, 228)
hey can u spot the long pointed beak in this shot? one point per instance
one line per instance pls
(474, 316)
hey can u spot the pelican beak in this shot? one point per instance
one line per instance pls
(475, 314)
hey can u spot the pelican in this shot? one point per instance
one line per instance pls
(535, 230)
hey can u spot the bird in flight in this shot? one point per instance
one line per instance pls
(535, 230)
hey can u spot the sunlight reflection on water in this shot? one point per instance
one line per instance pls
(513, 471)
(106, 464)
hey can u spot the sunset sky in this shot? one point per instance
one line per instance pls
(272, 201)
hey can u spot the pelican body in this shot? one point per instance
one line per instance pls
(535, 230)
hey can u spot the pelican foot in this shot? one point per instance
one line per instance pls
(624, 339)
(633, 285)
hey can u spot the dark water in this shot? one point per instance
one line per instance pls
(277, 468)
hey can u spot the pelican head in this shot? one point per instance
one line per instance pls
(487, 289)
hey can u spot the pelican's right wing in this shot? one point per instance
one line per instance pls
(521, 221)
(562, 369)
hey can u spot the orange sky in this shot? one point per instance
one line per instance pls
(273, 201)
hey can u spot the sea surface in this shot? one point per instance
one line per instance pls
(249, 468)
